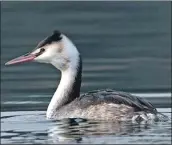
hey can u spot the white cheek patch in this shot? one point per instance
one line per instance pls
(61, 62)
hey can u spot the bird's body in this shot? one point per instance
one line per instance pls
(108, 105)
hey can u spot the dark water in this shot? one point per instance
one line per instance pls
(124, 45)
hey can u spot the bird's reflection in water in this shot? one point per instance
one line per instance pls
(74, 130)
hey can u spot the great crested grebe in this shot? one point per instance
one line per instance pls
(108, 105)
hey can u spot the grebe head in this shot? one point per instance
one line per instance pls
(56, 49)
(59, 51)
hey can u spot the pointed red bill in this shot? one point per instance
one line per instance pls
(21, 59)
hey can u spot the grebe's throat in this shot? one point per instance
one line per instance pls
(68, 89)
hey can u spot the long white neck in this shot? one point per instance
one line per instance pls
(69, 86)
(60, 96)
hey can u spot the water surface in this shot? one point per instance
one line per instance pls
(32, 127)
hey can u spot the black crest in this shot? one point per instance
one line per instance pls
(56, 36)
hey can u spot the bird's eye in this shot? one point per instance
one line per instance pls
(42, 50)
